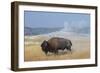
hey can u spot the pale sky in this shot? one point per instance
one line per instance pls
(37, 19)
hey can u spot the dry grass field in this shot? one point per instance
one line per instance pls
(33, 51)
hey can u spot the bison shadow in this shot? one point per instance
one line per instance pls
(65, 52)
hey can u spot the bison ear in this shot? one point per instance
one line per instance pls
(45, 43)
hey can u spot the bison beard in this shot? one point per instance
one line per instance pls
(54, 44)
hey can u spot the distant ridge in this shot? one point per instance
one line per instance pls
(38, 31)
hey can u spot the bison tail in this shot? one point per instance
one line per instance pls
(71, 43)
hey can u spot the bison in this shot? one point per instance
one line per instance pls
(54, 44)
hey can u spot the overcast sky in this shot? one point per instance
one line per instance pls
(37, 19)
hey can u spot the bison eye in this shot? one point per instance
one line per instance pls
(46, 44)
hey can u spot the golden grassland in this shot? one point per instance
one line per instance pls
(33, 51)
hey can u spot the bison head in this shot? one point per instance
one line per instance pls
(44, 46)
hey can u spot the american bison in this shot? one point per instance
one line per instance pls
(54, 44)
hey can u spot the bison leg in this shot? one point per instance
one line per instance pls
(69, 48)
(46, 52)
(56, 51)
